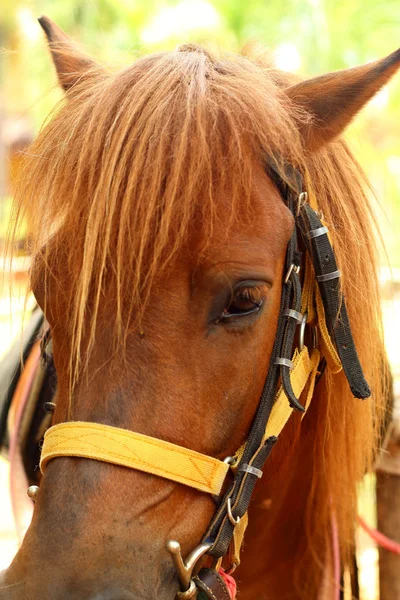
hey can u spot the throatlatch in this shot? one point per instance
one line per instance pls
(295, 373)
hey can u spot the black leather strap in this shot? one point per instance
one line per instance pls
(288, 340)
(328, 277)
(256, 450)
(221, 529)
(211, 586)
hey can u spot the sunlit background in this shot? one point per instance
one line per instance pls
(305, 36)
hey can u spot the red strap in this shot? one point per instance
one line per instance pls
(215, 586)
(380, 538)
(229, 582)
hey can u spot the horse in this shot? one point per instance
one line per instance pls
(160, 230)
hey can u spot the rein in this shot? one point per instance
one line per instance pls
(319, 304)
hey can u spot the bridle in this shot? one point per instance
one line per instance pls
(316, 301)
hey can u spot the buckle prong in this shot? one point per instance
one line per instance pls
(234, 520)
(295, 268)
(302, 331)
(301, 201)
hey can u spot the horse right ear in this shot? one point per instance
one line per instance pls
(70, 63)
(333, 100)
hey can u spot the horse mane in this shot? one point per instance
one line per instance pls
(132, 162)
(346, 431)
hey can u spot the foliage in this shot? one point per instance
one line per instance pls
(324, 34)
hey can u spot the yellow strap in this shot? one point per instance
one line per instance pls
(136, 451)
(307, 296)
(303, 374)
(328, 349)
(312, 200)
(309, 389)
(281, 410)
(152, 455)
(237, 541)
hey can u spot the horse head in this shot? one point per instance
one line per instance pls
(160, 242)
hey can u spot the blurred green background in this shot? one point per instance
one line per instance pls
(306, 36)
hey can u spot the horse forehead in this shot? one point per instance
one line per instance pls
(264, 229)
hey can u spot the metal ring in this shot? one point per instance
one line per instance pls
(230, 460)
(233, 520)
(302, 331)
(329, 276)
(190, 593)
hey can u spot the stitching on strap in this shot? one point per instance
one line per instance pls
(209, 591)
(220, 583)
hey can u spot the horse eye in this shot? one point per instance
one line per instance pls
(246, 300)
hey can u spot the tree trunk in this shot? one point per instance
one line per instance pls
(388, 511)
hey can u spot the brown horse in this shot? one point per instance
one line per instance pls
(152, 218)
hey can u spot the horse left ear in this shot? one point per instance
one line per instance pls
(70, 63)
(333, 100)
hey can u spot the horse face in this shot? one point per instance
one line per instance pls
(192, 375)
(191, 370)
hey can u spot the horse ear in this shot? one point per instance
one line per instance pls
(333, 100)
(71, 64)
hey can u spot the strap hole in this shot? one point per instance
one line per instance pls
(344, 346)
(326, 258)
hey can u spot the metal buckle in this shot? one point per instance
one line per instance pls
(315, 339)
(302, 331)
(301, 200)
(233, 520)
(314, 333)
(232, 462)
(295, 268)
(186, 568)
